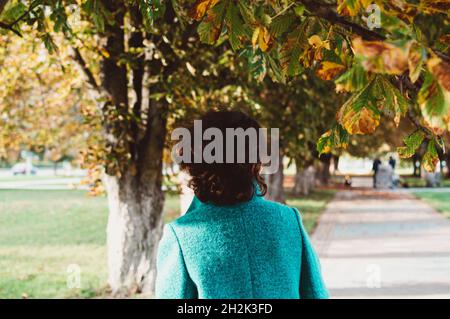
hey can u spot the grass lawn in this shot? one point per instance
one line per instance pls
(42, 233)
(439, 201)
(420, 182)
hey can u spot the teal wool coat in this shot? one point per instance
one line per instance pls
(256, 249)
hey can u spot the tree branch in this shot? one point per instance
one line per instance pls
(136, 41)
(327, 12)
(82, 63)
(442, 55)
(10, 28)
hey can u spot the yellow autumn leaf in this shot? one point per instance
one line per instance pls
(317, 42)
(104, 52)
(431, 157)
(328, 70)
(323, 144)
(201, 7)
(314, 40)
(364, 121)
(441, 71)
(264, 39)
(345, 8)
(255, 37)
(415, 60)
(434, 124)
(351, 7)
(434, 6)
(429, 163)
(434, 96)
(381, 57)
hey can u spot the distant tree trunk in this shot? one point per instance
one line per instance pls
(298, 180)
(323, 175)
(275, 189)
(447, 162)
(336, 163)
(304, 180)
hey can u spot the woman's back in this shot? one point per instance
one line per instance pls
(232, 243)
(257, 249)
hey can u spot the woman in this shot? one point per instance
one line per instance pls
(232, 243)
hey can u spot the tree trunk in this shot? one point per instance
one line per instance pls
(133, 232)
(298, 181)
(275, 189)
(135, 222)
(134, 180)
(304, 180)
(335, 163)
(447, 161)
(324, 170)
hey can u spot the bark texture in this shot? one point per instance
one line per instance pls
(447, 162)
(275, 188)
(323, 173)
(134, 187)
(134, 229)
(304, 180)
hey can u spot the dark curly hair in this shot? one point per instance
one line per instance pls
(226, 183)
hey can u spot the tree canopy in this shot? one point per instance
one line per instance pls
(391, 55)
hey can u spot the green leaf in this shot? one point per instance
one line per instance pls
(98, 13)
(275, 69)
(432, 96)
(359, 114)
(237, 30)
(337, 137)
(354, 79)
(416, 56)
(246, 12)
(292, 49)
(13, 12)
(210, 28)
(256, 61)
(281, 24)
(391, 102)
(152, 10)
(412, 143)
(299, 10)
(434, 102)
(348, 7)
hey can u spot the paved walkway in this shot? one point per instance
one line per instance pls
(375, 244)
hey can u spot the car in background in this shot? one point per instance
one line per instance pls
(23, 169)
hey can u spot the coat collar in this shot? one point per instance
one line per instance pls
(197, 203)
